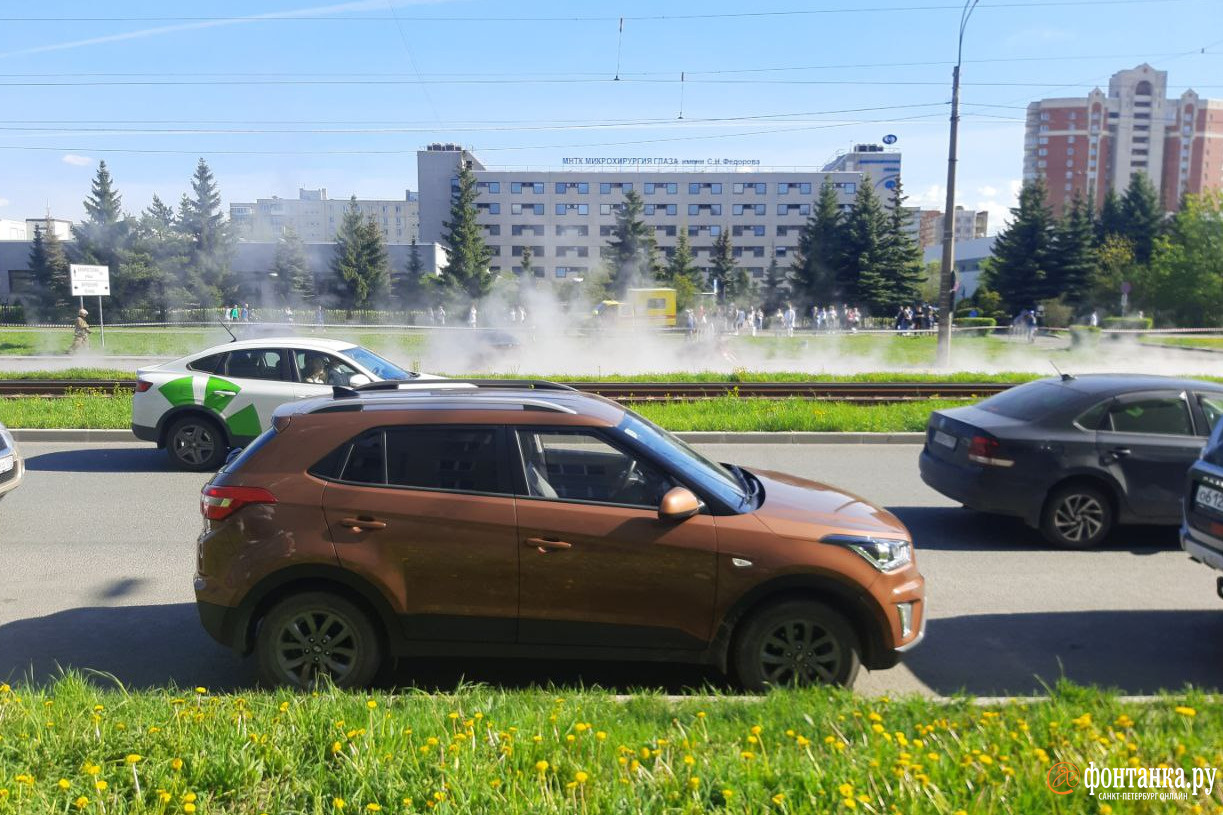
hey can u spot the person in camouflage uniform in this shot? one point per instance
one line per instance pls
(80, 332)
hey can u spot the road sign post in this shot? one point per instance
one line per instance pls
(91, 281)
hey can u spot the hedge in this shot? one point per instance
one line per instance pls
(1128, 322)
(975, 322)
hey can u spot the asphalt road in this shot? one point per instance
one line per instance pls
(97, 552)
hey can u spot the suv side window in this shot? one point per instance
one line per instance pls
(366, 461)
(256, 363)
(445, 458)
(578, 465)
(1158, 415)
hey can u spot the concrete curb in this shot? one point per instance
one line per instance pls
(82, 436)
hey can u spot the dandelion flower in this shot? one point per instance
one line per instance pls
(541, 766)
(581, 777)
(134, 758)
(338, 803)
(81, 803)
(1186, 711)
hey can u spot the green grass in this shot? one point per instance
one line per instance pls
(731, 413)
(1215, 343)
(176, 342)
(95, 410)
(74, 747)
(71, 373)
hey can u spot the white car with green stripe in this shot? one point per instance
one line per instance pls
(201, 406)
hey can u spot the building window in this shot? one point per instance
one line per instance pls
(606, 230)
(671, 188)
(488, 186)
(715, 231)
(610, 209)
(695, 188)
(606, 187)
(668, 231)
(492, 229)
(492, 209)
(530, 209)
(567, 209)
(581, 187)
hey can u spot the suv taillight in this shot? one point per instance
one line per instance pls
(986, 450)
(143, 385)
(218, 503)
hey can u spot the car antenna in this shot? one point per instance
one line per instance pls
(232, 337)
(1065, 377)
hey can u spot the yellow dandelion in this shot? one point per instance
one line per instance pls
(63, 783)
(581, 777)
(694, 783)
(757, 730)
(541, 766)
(373, 807)
(747, 755)
(188, 807)
(201, 690)
(846, 790)
(81, 803)
(134, 758)
(601, 736)
(101, 785)
(1186, 711)
(778, 798)
(372, 705)
(338, 803)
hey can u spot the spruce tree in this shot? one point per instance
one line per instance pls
(103, 233)
(1111, 221)
(1142, 216)
(629, 252)
(466, 271)
(409, 288)
(360, 262)
(1073, 254)
(819, 263)
(527, 257)
(1019, 270)
(681, 272)
(294, 280)
(772, 291)
(207, 272)
(157, 238)
(903, 270)
(864, 281)
(722, 265)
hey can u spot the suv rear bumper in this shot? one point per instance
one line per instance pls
(221, 623)
(144, 432)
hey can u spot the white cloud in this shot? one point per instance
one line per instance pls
(932, 197)
(987, 191)
(4, 202)
(77, 161)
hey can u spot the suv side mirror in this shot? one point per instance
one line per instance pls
(357, 380)
(678, 504)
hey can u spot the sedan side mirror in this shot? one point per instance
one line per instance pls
(678, 504)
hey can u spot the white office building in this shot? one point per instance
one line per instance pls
(566, 215)
(316, 218)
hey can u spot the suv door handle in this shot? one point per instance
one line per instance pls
(363, 524)
(220, 392)
(546, 545)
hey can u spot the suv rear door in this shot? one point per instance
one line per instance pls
(426, 513)
(598, 567)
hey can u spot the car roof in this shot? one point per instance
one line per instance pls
(460, 400)
(307, 343)
(1100, 384)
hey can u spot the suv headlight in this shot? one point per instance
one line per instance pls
(6, 439)
(885, 554)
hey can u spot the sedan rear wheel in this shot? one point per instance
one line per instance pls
(1077, 516)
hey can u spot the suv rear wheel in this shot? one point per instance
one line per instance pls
(196, 443)
(310, 636)
(797, 642)
(1077, 516)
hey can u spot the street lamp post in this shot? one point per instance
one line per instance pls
(944, 285)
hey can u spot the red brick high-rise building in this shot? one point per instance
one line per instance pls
(1094, 144)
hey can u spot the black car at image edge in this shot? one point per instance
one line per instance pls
(1075, 456)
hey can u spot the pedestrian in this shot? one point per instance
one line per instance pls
(288, 315)
(441, 315)
(1031, 325)
(319, 316)
(472, 317)
(80, 332)
(1094, 321)
(790, 317)
(689, 323)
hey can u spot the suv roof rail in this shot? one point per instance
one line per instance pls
(348, 391)
(421, 399)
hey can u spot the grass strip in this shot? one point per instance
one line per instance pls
(96, 410)
(72, 746)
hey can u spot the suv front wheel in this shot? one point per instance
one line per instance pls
(797, 642)
(310, 636)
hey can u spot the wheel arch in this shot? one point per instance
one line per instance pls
(1112, 491)
(867, 618)
(175, 413)
(312, 577)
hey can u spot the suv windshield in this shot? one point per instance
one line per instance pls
(380, 367)
(697, 469)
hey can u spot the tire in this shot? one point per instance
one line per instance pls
(826, 652)
(346, 644)
(1077, 516)
(196, 443)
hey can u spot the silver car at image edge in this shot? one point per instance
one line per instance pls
(12, 468)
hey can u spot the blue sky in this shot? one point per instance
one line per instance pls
(341, 95)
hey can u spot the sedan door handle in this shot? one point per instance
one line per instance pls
(546, 545)
(363, 524)
(1115, 454)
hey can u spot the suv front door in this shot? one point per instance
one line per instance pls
(1147, 442)
(426, 513)
(597, 566)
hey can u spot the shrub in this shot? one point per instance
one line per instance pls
(975, 322)
(1128, 322)
(1085, 336)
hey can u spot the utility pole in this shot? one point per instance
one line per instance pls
(945, 273)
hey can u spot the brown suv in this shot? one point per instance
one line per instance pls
(528, 519)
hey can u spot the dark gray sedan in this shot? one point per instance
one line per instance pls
(1074, 456)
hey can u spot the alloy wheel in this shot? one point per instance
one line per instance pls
(316, 643)
(194, 444)
(800, 652)
(1079, 517)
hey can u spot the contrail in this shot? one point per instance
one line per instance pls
(339, 8)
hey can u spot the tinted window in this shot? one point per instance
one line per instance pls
(581, 466)
(1163, 416)
(255, 363)
(366, 464)
(379, 366)
(1090, 419)
(443, 458)
(1212, 407)
(317, 368)
(210, 364)
(1034, 400)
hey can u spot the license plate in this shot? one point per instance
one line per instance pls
(1206, 497)
(6, 464)
(945, 439)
